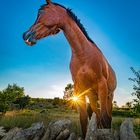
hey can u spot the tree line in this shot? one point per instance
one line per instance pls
(14, 95)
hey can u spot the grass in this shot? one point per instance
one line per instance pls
(24, 119)
(116, 122)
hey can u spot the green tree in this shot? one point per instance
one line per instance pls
(13, 92)
(115, 106)
(136, 88)
(69, 87)
(128, 105)
(3, 102)
(10, 95)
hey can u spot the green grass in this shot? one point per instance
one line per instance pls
(25, 118)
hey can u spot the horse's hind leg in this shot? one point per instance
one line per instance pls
(89, 111)
(105, 112)
(83, 114)
(109, 103)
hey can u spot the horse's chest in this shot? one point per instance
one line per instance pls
(82, 73)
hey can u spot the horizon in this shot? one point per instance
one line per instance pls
(43, 70)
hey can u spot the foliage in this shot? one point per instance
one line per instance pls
(115, 106)
(125, 113)
(69, 87)
(23, 101)
(69, 90)
(12, 94)
(128, 105)
(136, 88)
(3, 102)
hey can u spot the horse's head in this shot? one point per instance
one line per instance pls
(49, 22)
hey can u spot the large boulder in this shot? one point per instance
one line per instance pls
(35, 132)
(126, 131)
(11, 134)
(57, 128)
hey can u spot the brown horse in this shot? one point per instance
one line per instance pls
(92, 75)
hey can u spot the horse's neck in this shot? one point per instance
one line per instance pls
(75, 37)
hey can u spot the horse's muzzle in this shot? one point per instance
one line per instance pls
(29, 38)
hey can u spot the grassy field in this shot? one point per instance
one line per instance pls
(24, 119)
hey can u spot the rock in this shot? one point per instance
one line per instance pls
(97, 134)
(79, 138)
(2, 131)
(35, 132)
(126, 131)
(63, 135)
(72, 136)
(105, 134)
(116, 135)
(11, 134)
(92, 129)
(54, 129)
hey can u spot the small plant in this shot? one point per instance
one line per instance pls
(136, 88)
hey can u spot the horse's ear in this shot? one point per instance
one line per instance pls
(48, 1)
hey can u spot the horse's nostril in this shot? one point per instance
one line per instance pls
(29, 38)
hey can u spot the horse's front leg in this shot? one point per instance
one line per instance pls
(93, 99)
(83, 114)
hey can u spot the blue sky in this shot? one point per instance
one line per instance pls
(43, 70)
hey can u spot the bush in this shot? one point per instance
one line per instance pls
(125, 113)
(12, 96)
(136, 88)
(23, 101)
(3, 107)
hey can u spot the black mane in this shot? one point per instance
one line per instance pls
(80, 25)
(75, 18)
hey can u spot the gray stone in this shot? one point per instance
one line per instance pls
(97, 134)
(92, 129)
(79, 138)
(116, 135)
(2, 131)
(35, 132)
(72, 136)
(63, 135)
(105, 134)
(11, 134)
(126, 131)
(54, 129)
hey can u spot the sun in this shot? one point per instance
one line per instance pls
(75, 99)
